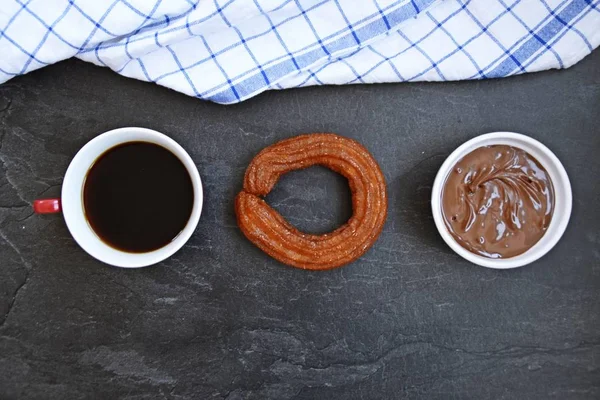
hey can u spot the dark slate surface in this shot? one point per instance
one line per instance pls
(221, 319)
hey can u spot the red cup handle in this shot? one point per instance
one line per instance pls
(47, 206)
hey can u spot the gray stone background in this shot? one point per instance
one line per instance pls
(220, 319)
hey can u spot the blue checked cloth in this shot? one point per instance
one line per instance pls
(230, 50)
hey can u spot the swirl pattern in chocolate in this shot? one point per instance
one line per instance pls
(498, 201)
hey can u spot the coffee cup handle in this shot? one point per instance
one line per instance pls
(47, 206)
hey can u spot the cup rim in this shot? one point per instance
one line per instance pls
(558, 176)
(74, 211)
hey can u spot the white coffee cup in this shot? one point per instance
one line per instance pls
(562, 198)
(71, 201)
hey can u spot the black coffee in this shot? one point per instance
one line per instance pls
(138, 197)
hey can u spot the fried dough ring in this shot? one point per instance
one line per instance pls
(269, 231)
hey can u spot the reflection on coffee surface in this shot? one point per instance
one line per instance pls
(497, 201)
(138, 197)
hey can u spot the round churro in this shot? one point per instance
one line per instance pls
(268, 230)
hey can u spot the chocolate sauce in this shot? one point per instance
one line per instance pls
(497, 201)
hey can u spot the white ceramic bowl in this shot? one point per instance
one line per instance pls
(562, 205)
(72, 198)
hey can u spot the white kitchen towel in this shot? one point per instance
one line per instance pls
(230, 50)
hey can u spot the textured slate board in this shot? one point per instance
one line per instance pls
(220, 319)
